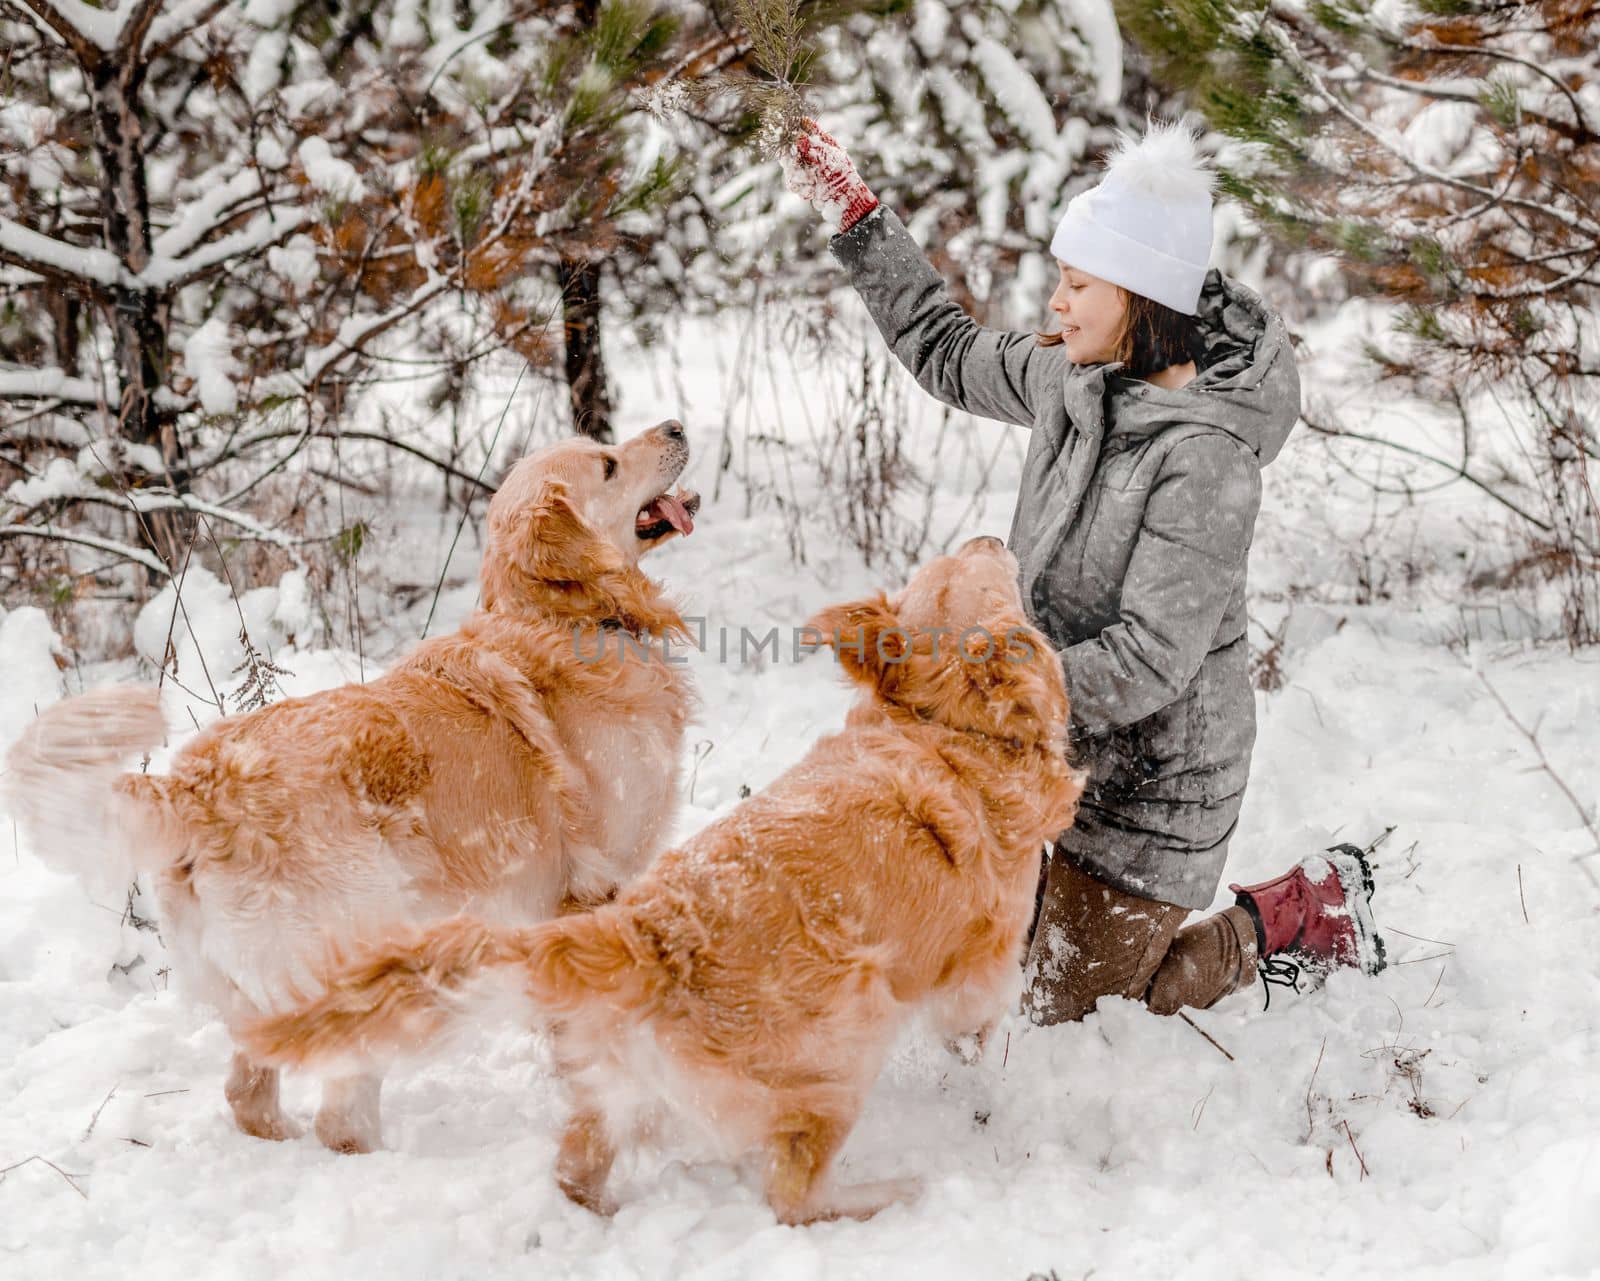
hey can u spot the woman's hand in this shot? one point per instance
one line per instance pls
(818, 169)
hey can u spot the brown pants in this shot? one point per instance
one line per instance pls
(1092, 940)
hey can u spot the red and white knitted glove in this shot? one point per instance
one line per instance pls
(818, 169)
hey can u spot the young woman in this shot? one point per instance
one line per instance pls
(1166, 390)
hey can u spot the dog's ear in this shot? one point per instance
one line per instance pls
(542, 540)
(1018, 686)
(562, 546)
(1000, 677)
(866, 636)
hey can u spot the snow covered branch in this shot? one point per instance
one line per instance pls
(146, 501)
(85, 30)
(57, 260)
(356, 332)
(268, 228)
(182, 22)
(214, 209)
(83, 538)
(136, 18)
(90, 31)
(53, 384)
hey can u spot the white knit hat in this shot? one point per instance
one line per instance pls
(1147, 226)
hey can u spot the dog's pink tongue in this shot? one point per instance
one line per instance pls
(671, 507)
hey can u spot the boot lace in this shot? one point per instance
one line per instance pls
(1277, 971)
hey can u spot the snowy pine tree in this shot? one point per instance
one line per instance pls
(220, 224)
(977, 121)
(1447, 155)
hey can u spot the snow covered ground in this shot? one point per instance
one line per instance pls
(1431, 1122)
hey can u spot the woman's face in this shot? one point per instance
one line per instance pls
(1091, 312)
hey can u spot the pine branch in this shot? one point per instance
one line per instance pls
(774, 40)
(1471, 97)
(1580, 117)
(265, 230)
(775, 28)
(1391, 146)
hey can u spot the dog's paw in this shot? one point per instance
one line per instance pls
(861, 1200)
(276, 1128)
(969, 1046)
(592, 1199)
(347, 1140)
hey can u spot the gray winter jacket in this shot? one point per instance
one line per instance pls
(1132, 528)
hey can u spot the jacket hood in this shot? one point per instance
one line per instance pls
(1247, 384)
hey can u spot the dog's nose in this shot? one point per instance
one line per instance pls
(672, 429)
(985, 543)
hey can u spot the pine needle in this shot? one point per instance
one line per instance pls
(777, 44)
(775, 30)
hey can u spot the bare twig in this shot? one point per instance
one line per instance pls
(1207, 1036)
(1418, 960)
(462, 523)
(1455, 469)
(96, 1117)
(1523, 897)
(1544, 764)
(702, 749)
(178, 607)
(1315, 1067)
(1420, 938)
(1359, 1159)
(44, 1160)
(302, 436)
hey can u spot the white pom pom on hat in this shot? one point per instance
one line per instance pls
(1147, 225)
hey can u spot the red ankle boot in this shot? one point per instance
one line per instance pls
(1319, 912)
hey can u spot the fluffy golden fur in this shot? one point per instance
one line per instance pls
(510, 769)
(751, 981)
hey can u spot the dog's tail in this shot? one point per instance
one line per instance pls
(406, 995)
(65, 787)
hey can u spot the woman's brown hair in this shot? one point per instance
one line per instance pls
(1153, 336)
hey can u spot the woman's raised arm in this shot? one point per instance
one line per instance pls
(988, 372)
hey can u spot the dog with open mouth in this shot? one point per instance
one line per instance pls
(493, 770)
(751, 982)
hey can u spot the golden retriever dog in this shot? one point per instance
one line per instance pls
(514, 768)
(751, 982)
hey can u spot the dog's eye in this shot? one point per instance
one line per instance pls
(611, 465)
